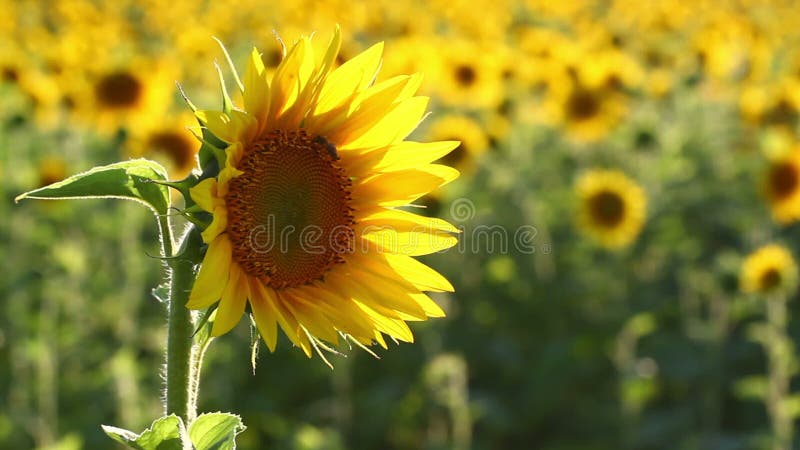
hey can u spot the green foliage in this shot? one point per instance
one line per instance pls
(165, 433)
(212, 431)
(132, 180)
(215, 431)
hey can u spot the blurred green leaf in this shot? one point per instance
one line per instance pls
(753, 387)
(131, 180)
(215, 431)
(164, 434)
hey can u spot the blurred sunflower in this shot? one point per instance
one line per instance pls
(612, 207)
(769, 269)
(134, 95)
(169, 142)
(472, 138)
(782, 186)
(587, 113)
(470, 76)
(318, 155)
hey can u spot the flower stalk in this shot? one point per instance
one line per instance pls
(779, 367)
(182, 374)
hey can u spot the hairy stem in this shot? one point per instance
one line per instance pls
(181, 373)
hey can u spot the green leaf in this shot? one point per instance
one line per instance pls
(166, 433)
(215, 431)
(131, 180)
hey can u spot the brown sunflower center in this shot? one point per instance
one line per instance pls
(289, 213)
(783, 180)
(118, 90)
(582, 104)
(607, 208)
(465, 75)
(770, 279)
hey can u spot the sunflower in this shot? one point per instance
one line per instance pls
(470, 76)
(135, 95)
(612, 207)
(769, 269)
(585, 104)
(781, 186)
(170, 142)
(306, 227)
(456, 127)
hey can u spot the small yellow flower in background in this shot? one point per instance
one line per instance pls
(782, 186)
(612, 207)
(769, 269)
(305, 221)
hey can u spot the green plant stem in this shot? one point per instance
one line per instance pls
(181, 374)
(779, 361)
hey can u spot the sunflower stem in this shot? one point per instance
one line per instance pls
(181, 374)
(779, 366)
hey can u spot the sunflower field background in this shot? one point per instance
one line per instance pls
(625, 277)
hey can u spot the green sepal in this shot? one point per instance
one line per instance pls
(227, 103)
(166, 433)
(136, 180)
(204, 325)
(182, 186)
(215, 431)
(211, 154)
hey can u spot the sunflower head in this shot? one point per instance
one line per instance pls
(612, 207)
(782, 186)
(768, 270)
(305, 227)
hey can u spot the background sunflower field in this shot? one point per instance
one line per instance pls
(629, 198)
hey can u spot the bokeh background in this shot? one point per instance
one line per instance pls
(629, 155)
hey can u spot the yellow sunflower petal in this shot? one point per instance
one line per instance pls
(406, 243)
(219, 222)
(237, 126)
(382, 295)
(288, 322)
(407, 154)
(256, 89)
(392, 327)
(232, 303)
(290, 80)
(411, 279)
(402, 187)
(213, 275)
(417, 273)
(395, 125)
(429, 306)
(264, 313)
(349, 318)
(204, 194)
(368, 110)
(348, 79)
(310, 316)
(399, 220)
